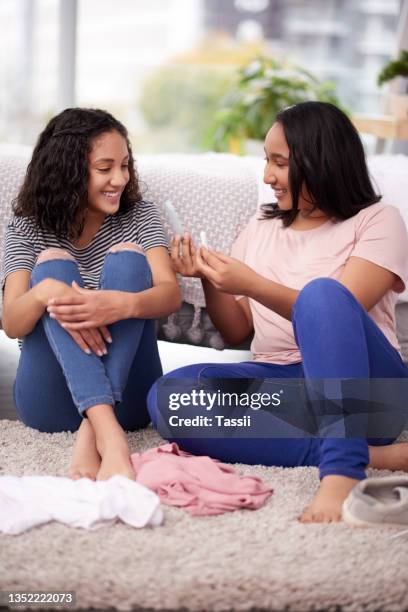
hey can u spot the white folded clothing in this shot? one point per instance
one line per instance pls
(28, 501)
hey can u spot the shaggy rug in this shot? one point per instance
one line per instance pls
(244, 560)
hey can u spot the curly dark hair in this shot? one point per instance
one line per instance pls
(55, 188)
(327, 156)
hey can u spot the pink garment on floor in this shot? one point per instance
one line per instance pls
(200, 485)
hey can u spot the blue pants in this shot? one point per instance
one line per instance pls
(57, 381)
(337, 340)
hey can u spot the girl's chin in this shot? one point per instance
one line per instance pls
(282, 205)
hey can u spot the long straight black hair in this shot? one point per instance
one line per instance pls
(326, 158)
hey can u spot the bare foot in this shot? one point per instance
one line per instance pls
(111, 443)
(116, 461)
(86, 460)
(327, 504)
(390, 457)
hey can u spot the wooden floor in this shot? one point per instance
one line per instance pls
(8, 364)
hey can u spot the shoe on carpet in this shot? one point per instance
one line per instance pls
(378, 501)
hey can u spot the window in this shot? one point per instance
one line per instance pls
(162, 66)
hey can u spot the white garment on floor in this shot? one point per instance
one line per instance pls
(28, 501)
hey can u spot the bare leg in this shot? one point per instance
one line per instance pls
(390, 457)
(86, 460)
(111, 443)
(327, 504)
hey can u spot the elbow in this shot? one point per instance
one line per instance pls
(8, 330)
(175, 299)
(14, 328)
(234, 339)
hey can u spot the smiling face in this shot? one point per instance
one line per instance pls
(276, 173)
(108, 173)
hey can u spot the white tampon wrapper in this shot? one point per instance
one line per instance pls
(174, 219)
(203, 239)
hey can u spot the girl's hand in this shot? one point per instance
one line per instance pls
(50, 288)
(183, 256)
(92, 340)
(86, 308)
(225, 273)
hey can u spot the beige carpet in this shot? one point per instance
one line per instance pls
(263, 560)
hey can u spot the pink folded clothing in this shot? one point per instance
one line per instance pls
(200, 485)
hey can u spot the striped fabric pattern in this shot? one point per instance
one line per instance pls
(25, 241)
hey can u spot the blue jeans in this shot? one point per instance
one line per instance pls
(337, 340)
(57, 381)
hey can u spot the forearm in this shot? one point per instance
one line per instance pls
(226, 314)
(21, 316)
(277, 297)
(153, 303)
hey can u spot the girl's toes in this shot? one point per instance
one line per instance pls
(73, 474)
(88, 475)
(306, 517)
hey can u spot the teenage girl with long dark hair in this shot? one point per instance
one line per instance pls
(316, 278)
(87, 271)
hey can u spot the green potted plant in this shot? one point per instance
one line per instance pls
(397, 69)
(264, 86)
(179, 99)
(178, 102)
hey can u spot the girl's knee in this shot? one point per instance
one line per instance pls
(54, 253)
(319, 295)
(126, 246)
(125, 272)
(319, 287)
(59, 265)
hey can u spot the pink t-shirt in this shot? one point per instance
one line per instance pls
(295, 257)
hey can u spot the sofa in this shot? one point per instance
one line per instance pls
(217, 193)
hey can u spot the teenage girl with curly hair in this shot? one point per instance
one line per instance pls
(86, 273)
(316, 279)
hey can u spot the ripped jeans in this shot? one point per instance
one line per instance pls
(57, 381)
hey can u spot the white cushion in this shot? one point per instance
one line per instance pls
(175, 356)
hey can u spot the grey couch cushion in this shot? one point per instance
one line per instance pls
(12, 171)
(191, 325)
(401, 315)
(215, 193)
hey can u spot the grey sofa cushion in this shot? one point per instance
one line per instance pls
(164, 177)
(192, 325)
(401, 315)
(215, 193)
(12, 171)
(181, 327)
